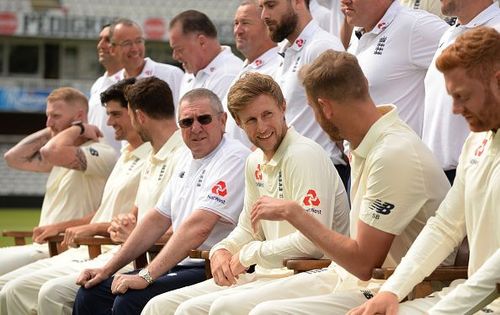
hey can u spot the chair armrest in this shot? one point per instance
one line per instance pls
(498, 287)
(302, 264)
(19, 236)
(54, 243)
(200, 254)
(440, 274)
(94, 244)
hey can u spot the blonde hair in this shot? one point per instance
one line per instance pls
(70, 96)
(248, 88)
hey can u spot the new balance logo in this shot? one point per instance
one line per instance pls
(311, 199)
(220, 189)
(93, 152)
(381, 207)
(380, 46)
(258, 173)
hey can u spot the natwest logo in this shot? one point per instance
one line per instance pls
(480, 149)
(299, 42)
(311, 199)
(258, 173)
(220, 189)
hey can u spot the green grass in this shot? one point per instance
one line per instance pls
(17, 219)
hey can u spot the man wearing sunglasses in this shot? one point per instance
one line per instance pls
(128, 45)
(287, 166)
(201, 204)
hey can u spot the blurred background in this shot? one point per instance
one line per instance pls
(45, 44)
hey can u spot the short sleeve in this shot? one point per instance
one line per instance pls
(425, 35)
(101, 159)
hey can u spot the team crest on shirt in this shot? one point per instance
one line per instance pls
(200, 179)
(219, 192)
(379, 49)
(296, 64)
(258, 176)
(479, 151)
(311, 201)
(162, 172)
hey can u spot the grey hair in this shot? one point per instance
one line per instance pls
(195, 94)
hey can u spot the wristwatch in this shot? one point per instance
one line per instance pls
(79, 123)
(144, 274)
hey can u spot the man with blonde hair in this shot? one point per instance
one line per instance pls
(78, 163)
(285, 165)
(471, 69)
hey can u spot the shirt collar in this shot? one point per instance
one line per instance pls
(386, 20)
(216, 62)
(172, 143)
(307, 33)
(141, 152)
(484, 16)
(290, 137)
(262, 60)
(389, 116)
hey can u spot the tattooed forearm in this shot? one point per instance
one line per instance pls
(26, 154)
(79, 162)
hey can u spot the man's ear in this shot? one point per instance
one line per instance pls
(140, 116)
(325, 106)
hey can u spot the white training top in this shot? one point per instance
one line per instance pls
(267, 63)
(301, 171)
(481, 286)
(470, 209)
(216, 76)
(168, 73)
(97, 113)
(213, 183)
(312, 41)
(72, 194)
(157, 172)
(431, 6)
(443, 132)
(396, 183)
(394, 57)
(121, 187)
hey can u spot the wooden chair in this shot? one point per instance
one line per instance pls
(54, 242)
(441, 274)
(202, 254)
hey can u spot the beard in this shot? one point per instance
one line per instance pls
(288, 24)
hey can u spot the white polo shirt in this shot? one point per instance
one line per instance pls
(168, 73)
(312, 41)
(121, 187)
(216, 76)
(321, 14)
(336, 18)
(72, 194)
(470, 209)
(396, 183)
(213, 183)
(394, 57)
(301, 171)
(431, 6)
(443, 131)
(267, 63)
(157, 172)
(97, 113)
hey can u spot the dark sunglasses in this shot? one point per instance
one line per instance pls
(202, 119)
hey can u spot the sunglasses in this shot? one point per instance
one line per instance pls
(202, 119)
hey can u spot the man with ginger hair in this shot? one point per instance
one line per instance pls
(471, 69)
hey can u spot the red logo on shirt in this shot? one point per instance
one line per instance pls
(311, 199)
(258, 173)
(381, 25)
(220, 189)
(480, 149)
(299, 42)
(258, 62)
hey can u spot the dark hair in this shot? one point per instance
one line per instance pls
(193, 21)
(116, 92)
(152, 96)
(124, 21)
